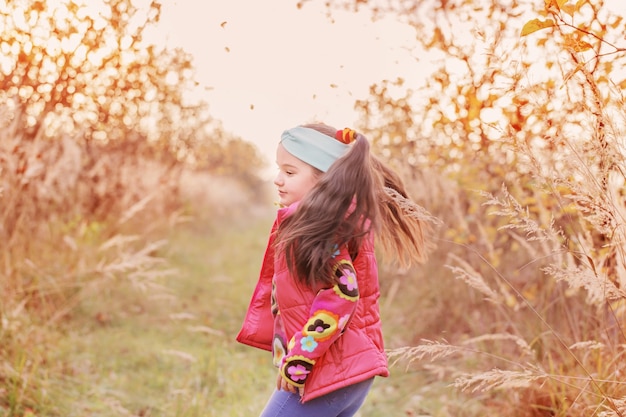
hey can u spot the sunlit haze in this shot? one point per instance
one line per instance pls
(266, 68)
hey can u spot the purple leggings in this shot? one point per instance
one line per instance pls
(341, 403)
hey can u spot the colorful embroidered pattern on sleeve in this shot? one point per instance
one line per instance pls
(331, 310)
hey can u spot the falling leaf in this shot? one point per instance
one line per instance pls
(251, 106)
(223, 24)
(333, 86)
(534, 25)
(227, 49)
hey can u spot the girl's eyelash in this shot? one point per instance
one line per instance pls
(286, 171)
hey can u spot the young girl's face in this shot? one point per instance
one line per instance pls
(294, 179)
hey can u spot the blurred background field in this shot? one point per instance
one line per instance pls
(132, 223)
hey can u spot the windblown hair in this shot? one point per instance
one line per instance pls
(358, 195)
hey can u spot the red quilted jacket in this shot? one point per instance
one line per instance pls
(321, 340)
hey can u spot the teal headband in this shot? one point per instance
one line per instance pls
(313, 147)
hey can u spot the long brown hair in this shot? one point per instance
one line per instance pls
(357, 195)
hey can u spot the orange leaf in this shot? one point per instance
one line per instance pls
(617, 22)
(557, 4)
(582, 46)
(577, 45)
(551, 3)
(569, 9)
(534, 25)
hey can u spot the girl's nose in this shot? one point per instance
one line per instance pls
(278, 180)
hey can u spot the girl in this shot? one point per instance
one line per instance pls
(315, 305)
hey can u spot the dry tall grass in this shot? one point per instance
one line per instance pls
(69, 216)
(542, 332)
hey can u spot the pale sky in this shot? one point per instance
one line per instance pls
(292, 65)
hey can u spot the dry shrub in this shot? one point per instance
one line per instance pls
(517, 144)
(76, 219)
(65, 203)
(543, 324)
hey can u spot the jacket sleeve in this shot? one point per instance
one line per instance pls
(257, 328)
(330, 313)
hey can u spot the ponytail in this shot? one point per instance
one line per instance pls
(404, 224)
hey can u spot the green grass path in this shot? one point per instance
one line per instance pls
(171, 353)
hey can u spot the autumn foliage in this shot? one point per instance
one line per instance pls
(96, 133)
(516, 142)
